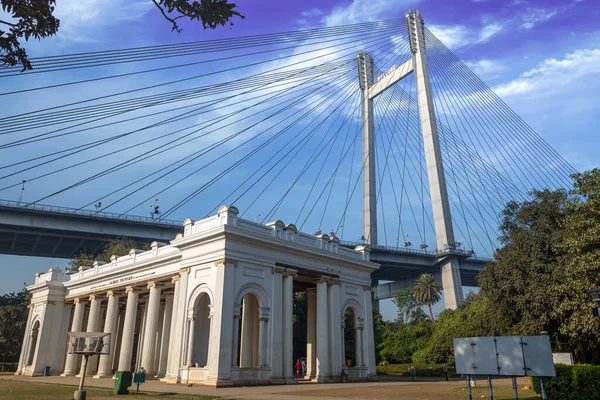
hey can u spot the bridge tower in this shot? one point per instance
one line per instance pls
(449, 264)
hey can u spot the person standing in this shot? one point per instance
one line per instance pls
(303, 364)
(446, 370)
(298, 368)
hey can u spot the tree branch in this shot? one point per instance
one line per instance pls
(171, 20)
(7, 23)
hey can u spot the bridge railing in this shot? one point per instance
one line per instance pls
(90, 213)
(406, 250)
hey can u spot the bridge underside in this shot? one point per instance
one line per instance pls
(37, 233)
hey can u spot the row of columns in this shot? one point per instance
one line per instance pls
(155, 333)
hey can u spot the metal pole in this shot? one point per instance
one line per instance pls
(491, 388)
(469, 387)
(80, 393)
(514, 383)
(543, 389)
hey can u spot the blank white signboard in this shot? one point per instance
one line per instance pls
(538, 356)
(463, 356)
(510, 356)
(484, 355)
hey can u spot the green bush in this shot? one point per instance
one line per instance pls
(422, 370)
(572, 382)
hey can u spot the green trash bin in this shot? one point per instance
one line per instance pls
(122, 382)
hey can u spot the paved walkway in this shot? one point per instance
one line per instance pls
(272, 392)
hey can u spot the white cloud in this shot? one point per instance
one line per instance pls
(486, 68)
(534, 16)
(364, 11)
(553, 74)
(488, 31)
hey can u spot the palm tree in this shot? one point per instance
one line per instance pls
(427, 291)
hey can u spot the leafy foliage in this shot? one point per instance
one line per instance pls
(13, 318)
(427, 291)
(35, 19)
(409, 309)
(572, 382)
(117, 247)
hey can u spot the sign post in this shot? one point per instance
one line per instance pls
(87, 344)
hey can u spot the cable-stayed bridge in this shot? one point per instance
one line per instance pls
(374, 133)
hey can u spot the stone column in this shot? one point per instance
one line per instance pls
(335, 342)
(172, 373)
(322, 372)
(151, 329)
(263, 319)
(76, 326)
(158, 340)
(93, 326)
(311, 334)
(358, 326)
(190, 347)
(277, 327)
(288, 324)
(140, 344)
(128, 329)
(369, 333)
(25, 344)
(165, 337)
(110, 326)
(235, 347)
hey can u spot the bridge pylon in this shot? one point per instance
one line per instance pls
(449, 264)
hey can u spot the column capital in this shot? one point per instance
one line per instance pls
(291, 272)
(278, 270)
(175, 279)
(191, 319)
(335, 281)
(153, 284)
(322, 279)
(31, 305)
(112, 293)
(76, 300)
(184, 271)
(264, 314)
(92, 297)
(368, 288)
(225, 261)
(130, 289)
(49, 302)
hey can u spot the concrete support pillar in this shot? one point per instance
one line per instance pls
(128, 329)
(151, 329)
(190, 347)
(165, 337)
(288, 324)
(93, 326)
(249, 320)
(335, 327)
(444, 232)
(262, 330)
(235, 346)
(322, 372)
(158, 341)
(76, 326)
(140, 342)
(311, 334)
(25, 344)
(277, 327)
(118, 339)
(110, 326)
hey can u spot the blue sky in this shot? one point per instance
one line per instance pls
(542, 57)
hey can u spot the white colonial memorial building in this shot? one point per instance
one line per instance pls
(214, 306)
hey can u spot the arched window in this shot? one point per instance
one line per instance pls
(35, 331)
(249, 332)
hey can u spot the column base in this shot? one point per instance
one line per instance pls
(322, 380)
(68, 374)
(101, 376)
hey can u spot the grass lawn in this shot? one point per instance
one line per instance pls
(422, 391)
(15, 390)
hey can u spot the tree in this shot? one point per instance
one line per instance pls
(409, 309)
(35, 19)
(427, 292)
(13, 318)
(117, 247)
(580, 266)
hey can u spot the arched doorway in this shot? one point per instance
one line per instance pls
(200, 332)
(35, 331)
(350, 338)
(249, 332)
